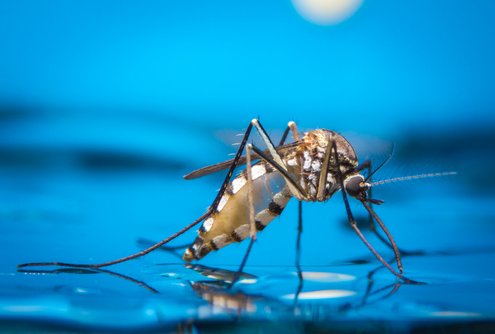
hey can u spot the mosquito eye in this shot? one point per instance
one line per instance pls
(353, 185)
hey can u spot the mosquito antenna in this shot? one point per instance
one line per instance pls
(412, 177)
(382, 164)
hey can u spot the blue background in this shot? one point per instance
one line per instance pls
(429, 62)
(104, 105)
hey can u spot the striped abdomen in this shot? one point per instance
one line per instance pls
(230, 223)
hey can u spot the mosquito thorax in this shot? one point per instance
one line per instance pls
(312, 159)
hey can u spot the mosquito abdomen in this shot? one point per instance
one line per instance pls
(230, 223)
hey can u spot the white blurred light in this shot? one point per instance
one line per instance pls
(321, 294)
(326, 277)
(326, 12)
(455, 314)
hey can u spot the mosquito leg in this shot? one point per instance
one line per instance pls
(296, 188)
(295, 132)
(232, 168)
(210, 210)
(371, 248)
(268, 142)
(252, 224)
(387, 233)
(353, 223)
(284, 136)
(243, 263)
(276, 160)
(298, 252)
(367, 165)
(322, 183)
(146, 242)
(123, 259)
(291, 127)
(226, 164)
(170, 249)
(299, 233)
(249, 182)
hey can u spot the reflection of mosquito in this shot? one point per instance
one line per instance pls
(311, 168)
(218, 293)
(79, 271)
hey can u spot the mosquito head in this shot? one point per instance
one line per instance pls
(356, 186)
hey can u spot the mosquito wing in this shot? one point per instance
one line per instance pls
(213, 168)
(226, 164)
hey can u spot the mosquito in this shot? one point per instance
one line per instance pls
(312, 168)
